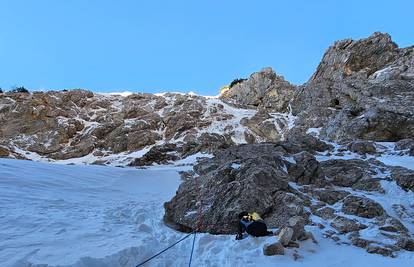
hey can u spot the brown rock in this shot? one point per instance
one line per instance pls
(273, 249)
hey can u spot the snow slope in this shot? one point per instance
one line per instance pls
(78, 216)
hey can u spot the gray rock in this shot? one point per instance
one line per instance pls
(325, 213)
(259, 184)
(285, 236)
(297, 224)
(329, 196)
(262, 125)
(362, 147)
(306, 170)
(375, 249)
(346, 173)
(344, 225)
(357, 91)
(263, 89)
(404, 177)
(273, 249)
(406, 243)
(404, 144)
(362, 207)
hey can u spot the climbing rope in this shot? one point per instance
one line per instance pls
(192, 250)
(199, 218)
(164, 250)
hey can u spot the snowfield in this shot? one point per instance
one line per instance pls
(78, 216)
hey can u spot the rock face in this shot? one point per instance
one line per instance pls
(73, 124)
(264, 89)
(404, 177)
(361, 206)
(361, 90)
(242, 179)
(306, 170)
(286, 187)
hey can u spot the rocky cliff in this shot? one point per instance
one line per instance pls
(362, 89)
(115, 129)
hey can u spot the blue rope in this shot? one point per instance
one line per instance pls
(192, 250)
(164, 250)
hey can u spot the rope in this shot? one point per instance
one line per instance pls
(199, 211)
(164, 250)
(192, 250)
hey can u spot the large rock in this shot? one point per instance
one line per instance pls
(263, 89)
(162, 154)
(297, 223)
(285, 236)
(344, 225)
(273, 249)
(362, 147)
(404, 177)
(236, 179)
(361, 90)
(347, 172)
(262, 124)
(362, 207)
(306, 170)
(406, 243)
(329, 196)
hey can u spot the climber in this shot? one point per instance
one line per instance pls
(253, 224)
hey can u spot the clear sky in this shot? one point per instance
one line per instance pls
(193, 45)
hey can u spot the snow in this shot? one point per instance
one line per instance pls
(94, 216)
(396, 160)
(123, 94)
(314, 131)
(235, 166)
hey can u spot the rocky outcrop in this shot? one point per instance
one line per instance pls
(404, 177)
(264, 89)
(306, 170)
(286, 189)
(361, 90)
(76, 123)
(362, 207)
(241, 180)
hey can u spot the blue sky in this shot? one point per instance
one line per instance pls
(154, 46)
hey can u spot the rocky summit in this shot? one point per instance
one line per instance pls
(331, 153)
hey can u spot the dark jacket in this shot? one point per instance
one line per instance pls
(253, 224)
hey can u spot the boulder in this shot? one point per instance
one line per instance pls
(162, 154)
(329, 196)
(362, 147)
(346, 173)
(404, 177)
(306, 170)
(263, 125)
(297, 224)
(375, 249)
(273, 249)
(222, 190)
(344, 225)
(4, 152)
(406, 243)
(362, 207)
(285, 236)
